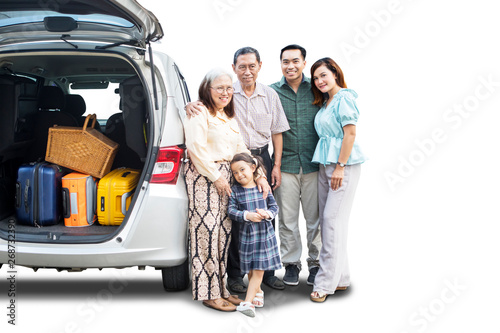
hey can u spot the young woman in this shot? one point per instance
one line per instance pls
(340, 158)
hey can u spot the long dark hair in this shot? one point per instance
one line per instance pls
(319, 97)
(205, 96)
(250, 160)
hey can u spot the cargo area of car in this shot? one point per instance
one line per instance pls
(41, 89)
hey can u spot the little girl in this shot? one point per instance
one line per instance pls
(258, 247)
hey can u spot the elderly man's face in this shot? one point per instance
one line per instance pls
(247, 69)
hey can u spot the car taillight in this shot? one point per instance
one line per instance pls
(167, 165)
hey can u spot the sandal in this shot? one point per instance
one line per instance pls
(219, 304)
(318, 297)
(234, 299)
(258, 300)
(247, 308)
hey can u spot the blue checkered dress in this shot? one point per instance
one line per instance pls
(258, 246)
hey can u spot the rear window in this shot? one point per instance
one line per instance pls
(21, 17)
(102, 102)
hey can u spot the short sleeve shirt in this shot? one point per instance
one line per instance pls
(260, 115)
(300, 141)
(329, 123)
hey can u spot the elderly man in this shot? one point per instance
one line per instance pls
(261, 119)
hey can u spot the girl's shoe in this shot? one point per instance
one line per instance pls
(258, 300)
(247, 308)
(318, 297)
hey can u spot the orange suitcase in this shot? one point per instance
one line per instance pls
(79, 199)
(114, 195)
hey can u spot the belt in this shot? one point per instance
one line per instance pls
(259, 151)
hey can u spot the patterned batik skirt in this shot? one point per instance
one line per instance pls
(209, 233)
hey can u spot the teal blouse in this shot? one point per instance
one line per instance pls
(329, 123)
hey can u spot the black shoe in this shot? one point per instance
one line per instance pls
(312, 275)
(274, 283)
(291, 277)
(236, 285)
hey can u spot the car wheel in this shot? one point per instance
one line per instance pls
(176, 278)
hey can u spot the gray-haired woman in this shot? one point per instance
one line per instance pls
(212, 138)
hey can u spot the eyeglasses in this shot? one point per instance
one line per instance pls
(221, 90)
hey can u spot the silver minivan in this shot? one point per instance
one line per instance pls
(59, 61)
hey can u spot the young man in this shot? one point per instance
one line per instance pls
(299, 183)
(261, 119)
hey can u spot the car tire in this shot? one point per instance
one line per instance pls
(176, 278)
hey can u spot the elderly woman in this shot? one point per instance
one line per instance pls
(212, 138)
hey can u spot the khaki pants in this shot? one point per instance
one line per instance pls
(297, 189)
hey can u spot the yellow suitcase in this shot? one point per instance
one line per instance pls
(114, 194)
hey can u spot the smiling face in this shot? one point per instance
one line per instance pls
(243, 173)
(224, 84)
(247, 69)
(292, 65)
(325, 80)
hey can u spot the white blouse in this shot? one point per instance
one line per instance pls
(211, 139)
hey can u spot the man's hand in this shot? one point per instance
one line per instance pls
(263, 186)
(193, 108)
(276, 177)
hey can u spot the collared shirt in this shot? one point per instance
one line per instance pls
(210, 139)
(260, 115)
(329, 124)
(300, 141)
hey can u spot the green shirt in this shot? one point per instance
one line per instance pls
(299, 142)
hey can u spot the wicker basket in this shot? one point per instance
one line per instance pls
(85, 150)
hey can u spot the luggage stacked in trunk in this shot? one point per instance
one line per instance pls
(114, 195)
(38, 194)
(68, 187)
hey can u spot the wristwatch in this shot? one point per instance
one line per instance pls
(341, 164)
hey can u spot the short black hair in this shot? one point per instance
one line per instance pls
(294, 47)
(246, 50)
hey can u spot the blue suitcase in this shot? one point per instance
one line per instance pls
(38, 194)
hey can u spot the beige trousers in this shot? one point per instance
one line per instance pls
(297, 189)
(335, 208)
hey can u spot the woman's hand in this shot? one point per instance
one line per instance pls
(337, 177)
(222, 186)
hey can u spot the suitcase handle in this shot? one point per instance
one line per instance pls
(90, 116)
(125, 196)
(65, 203)
(18, 195)
(26, 196)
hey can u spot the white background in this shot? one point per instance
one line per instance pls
(423, 251)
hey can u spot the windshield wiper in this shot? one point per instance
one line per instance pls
(66, 36)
